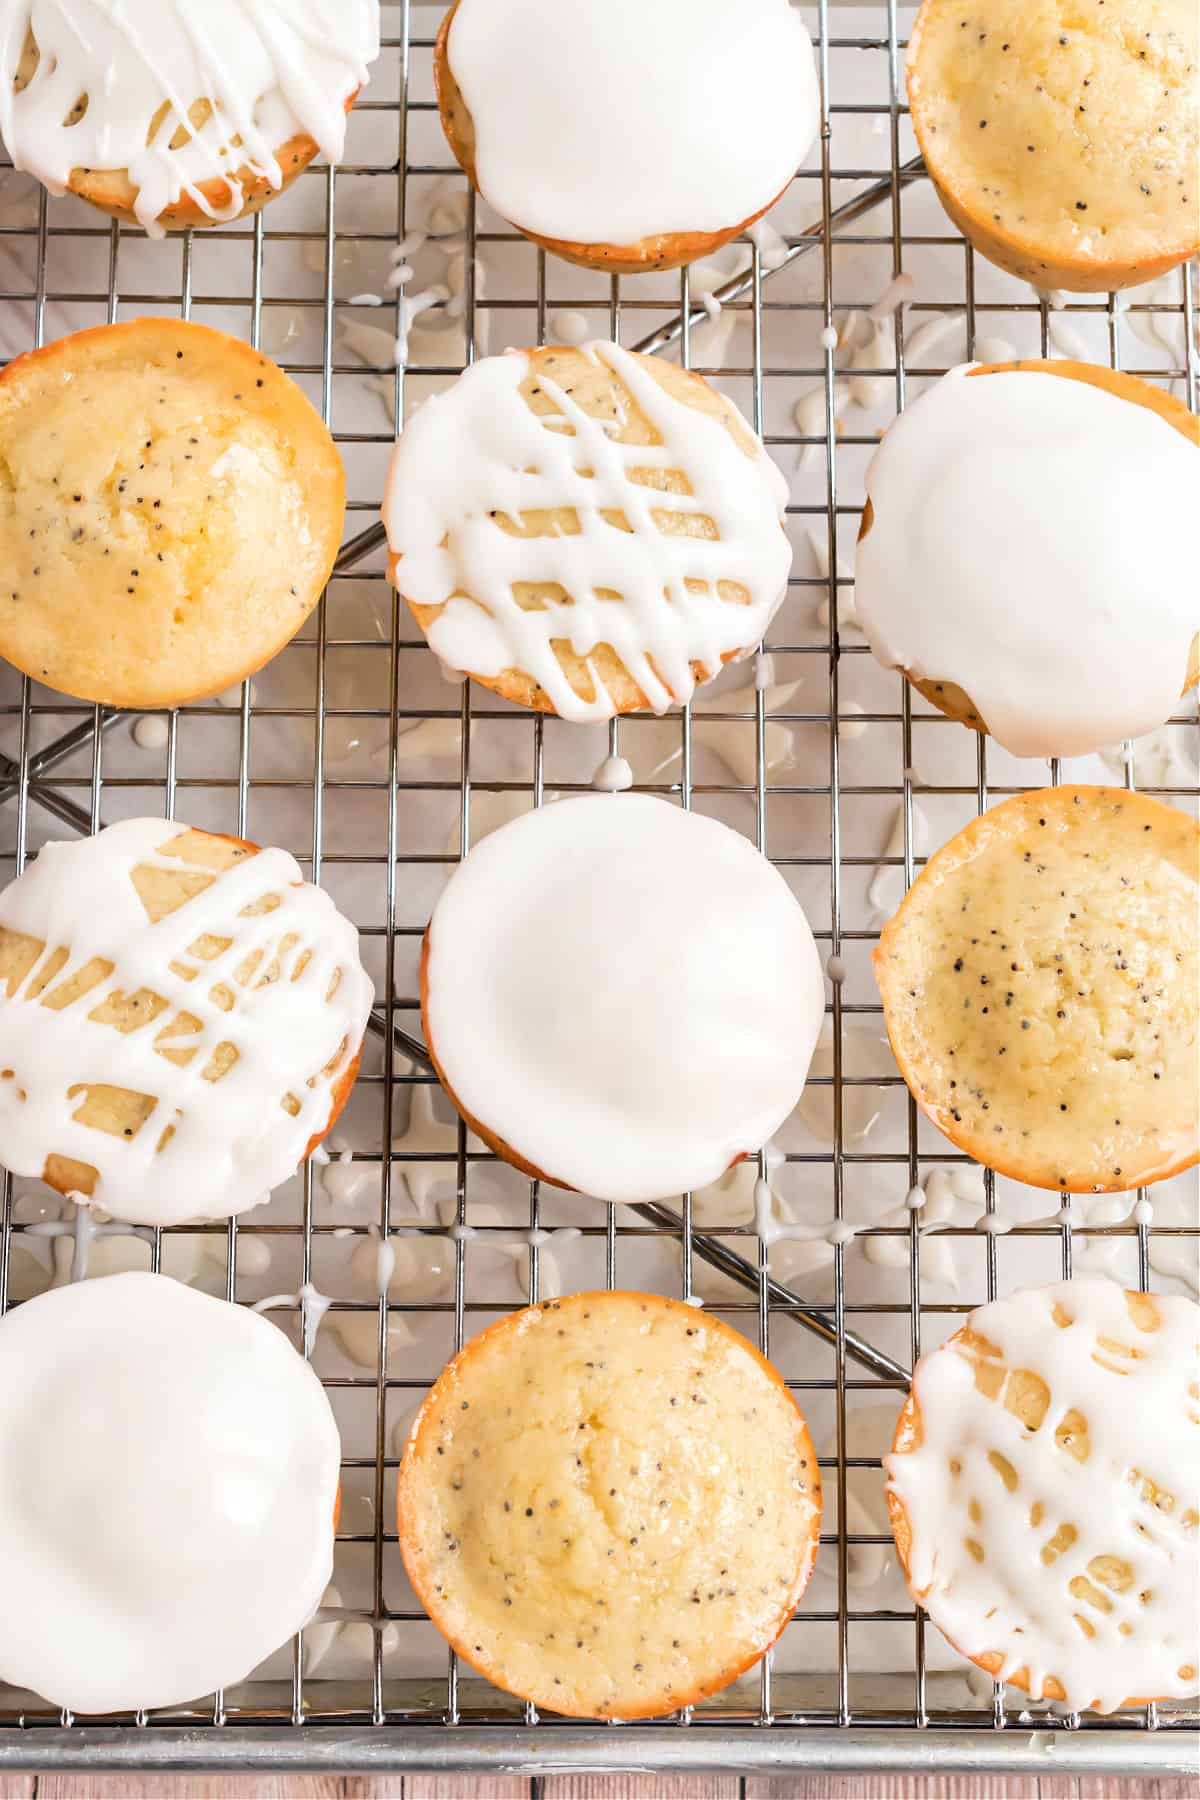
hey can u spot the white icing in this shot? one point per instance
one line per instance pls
(887, 884)
(568, 326)
(269, 70)
(569, 925)
(168, 1471)
(1131, 1387)
(232, 1138)
(829, 337)
(772, 248)
(683, 116)
(999, 557)
(896, 294)
(614, 776)
(478, 450)
(151, 731)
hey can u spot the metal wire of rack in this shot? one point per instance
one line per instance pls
(60, 768)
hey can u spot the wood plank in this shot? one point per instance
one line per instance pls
(642, 1787)
(459, 1787)
(16, 1787)
(969, 1787)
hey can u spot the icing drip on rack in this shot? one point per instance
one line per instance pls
(1065, 1541)
(478, 451)
(592, 998)
(254, 1003)
(267, 70)
(998, 557)
(167, 1490)
(697, 129)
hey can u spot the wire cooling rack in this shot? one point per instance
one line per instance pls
(317, 753)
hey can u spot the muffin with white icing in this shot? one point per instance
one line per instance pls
(627, 137)
(181, 1017)
(1041, 984)
(1063, 141)
(586, 531)
(170, 509)
(1043, 1491)
(620, 996)
(172, 122)
(168, 1493)
(996, 565)
(636, 1532)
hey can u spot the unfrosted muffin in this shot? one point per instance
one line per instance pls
(181, 1017)
(168, 122)
(609, 1504)
(996, 553)
(586, 531)
(170, 509)
(168, 1497)
(627, 137)
(1041, 983)
(1043, 1489)
(1063, 140)
(620, 996)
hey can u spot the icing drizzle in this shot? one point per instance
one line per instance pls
(168, 1474)
(614, 122)
(479, 450)
(1000, 557)
(256, 960)
(1084, 1563)
(626, 993)
(268, 69)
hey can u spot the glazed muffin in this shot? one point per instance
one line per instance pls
(620, 996)
(170, 510)
(185, 128)
(623, 137)
(156, 1551)
(1063, 142)
(609, 1504)
(1040, 985)
(1043, 1487)
(181, 1017)
(586, 531)
(995, 553)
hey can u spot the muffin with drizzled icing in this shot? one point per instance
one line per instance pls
(167, 119)
(1041, 985)
(609, 1504)
(1042, 1489)
(1064, 141)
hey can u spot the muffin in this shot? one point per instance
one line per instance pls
(624, 137)
(620, 996)
(181, 1017)
(1048, 464)
(609, 1504)
(170, 509)
(1063, 142)
(1043, 1487)
(1040, 985)
(586, 531)
(185, 127)
(169, 1495)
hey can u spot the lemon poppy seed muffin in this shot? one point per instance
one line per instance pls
(609, 1504)
(181, 1018)
(170, 510)
(172, 121)
(1040, 984)
(626, 137)
(1064, 141)
(1045, 461)
(587, 531)
(1043, 1491)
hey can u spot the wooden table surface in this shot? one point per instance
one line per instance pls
(589, 1787)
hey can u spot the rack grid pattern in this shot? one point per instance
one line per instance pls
(59, 766)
